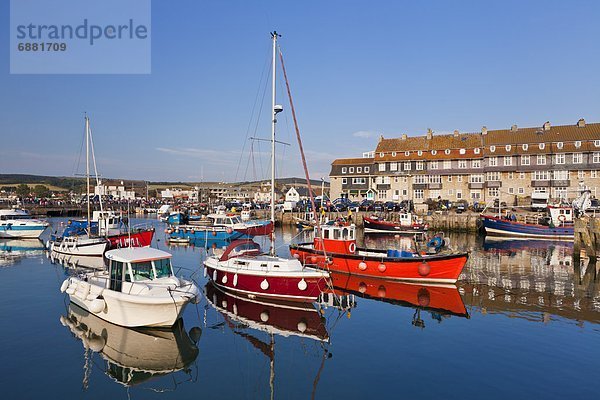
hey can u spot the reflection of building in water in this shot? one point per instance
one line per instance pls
(514, 276)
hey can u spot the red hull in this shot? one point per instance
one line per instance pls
(440, 298)
(258, 230)
(438, 268)
(134, 239)
(279, 288)
(286, 317)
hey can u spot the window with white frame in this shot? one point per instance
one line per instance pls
(344, 170)
(435, 193)
(433, 152)
(475, 194)
(393, 154)
(395, 179)
(521, 175)
(476, 178)
(542, 146)
(560, 192)
(419, 194)
(367, 170)
(493, 176)
(596, 157)
(381, 167)
(541, 159)
(578, 143)
(511, 190)
(419, 165)
(459, 178)
(447, 151)
(462, 164)
(358, 170)
(450, 192)
(359, 181)
(447, 164)
(525, 146)
(493, 192)
(435, 179)
(381, 155)
(351, 170)
(493, 161)
(419, 179)
(462, 151)
(407, 153)
(511, 176)
(507, 147)
(559, 158)
(407, 166)
(404, 192)
(560, 175)
(433, 165)
(393, 166)
(382, 194)
(560, 145)
(541, 175)
(580, 174)
(597, 143)
(507, 161)
(476, 164)
(593, 173)
(344, 181)
(420, 153)
(540, 190)
(476, 150)
(521, 190)
(577, 158)
(449, 178)
(492, 149)
(458, 194)
(525, 159)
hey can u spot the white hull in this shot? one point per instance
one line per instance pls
(32, 233)
(131, 310)
(83, 247)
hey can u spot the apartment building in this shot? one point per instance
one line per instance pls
(509, 164)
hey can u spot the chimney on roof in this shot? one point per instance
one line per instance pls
(380, 138)
(547, 125)
(484, 130)
(404, 136)
(581, 123)
(456, 133)
(514, 128)
(429, 134)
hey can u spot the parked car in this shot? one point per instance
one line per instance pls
(366, 205)
(391, 206)
(378, 206)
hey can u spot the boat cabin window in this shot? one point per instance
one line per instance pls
(326, 233)
(235, 220)
(163, 268)
(336, 233)
(142, 271)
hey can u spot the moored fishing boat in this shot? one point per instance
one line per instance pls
(334, 249)
(558, 224)
(407, 224)
(139, 288)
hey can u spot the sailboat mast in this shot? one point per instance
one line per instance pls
(87, 169)
(273, 122)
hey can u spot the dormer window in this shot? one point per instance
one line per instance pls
(507, 147)
(559, 145)
(351, 170)
(367, 170)
(447, 151)
(407, 153)
(476, 150)
(393, 154)
(462, 151)
(381, 155)
(492, 148)
(344, 170)
(433, 152)
(542, 146)
(525, 146)
(419, 153)
(597, 143)
(578, 144)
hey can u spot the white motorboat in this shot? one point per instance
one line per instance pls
(138, 289)
(20, 224)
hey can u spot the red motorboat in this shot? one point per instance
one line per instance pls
(136, 238)
(245, 269)
(442, 298)
(336, 251)
(406, 224)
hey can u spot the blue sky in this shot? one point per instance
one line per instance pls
(357, 70)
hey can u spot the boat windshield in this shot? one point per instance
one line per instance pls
(236, 220)
(142, 271)
(163, 268)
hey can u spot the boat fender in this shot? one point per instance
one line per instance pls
(302, 285)
(362, 266)
(166, 231)
(302, 325)
(224, 278)
(296, 256)
(96, 343)
(215, 275)
(97, 305)
(214, 233)
(362, 287)
(224, 303)
(70, 290)
(204, 273)
(85, 289)
(64, 286)
(264, 285)
(381, 267)
(91, 296)
(424, 268)
(235, 309)
(264, 316)
(192, 231)
(229, 231)
(562, 218)
(352, 247)
(235, 279)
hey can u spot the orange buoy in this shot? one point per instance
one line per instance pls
(424, 269)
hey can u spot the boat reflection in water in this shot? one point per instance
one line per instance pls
(133, 356)
(12, 250)
(77, 262)
(532, 279)
(439, 299)
(280, 318)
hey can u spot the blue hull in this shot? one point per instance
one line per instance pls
(200, 234)
(495, 226)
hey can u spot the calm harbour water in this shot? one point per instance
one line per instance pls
(523, 322)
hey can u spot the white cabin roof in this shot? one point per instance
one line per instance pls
(136, 254)
(14, 212)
